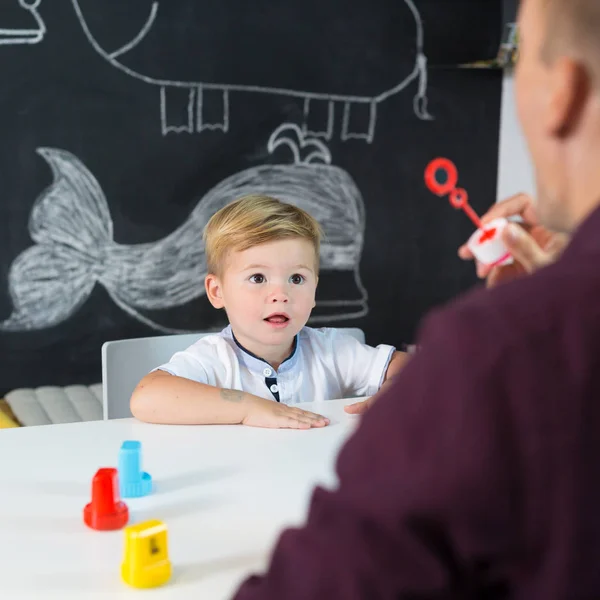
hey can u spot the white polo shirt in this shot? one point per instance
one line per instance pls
(325, 364)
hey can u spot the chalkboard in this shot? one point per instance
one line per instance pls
(126, 124)
(509, 12)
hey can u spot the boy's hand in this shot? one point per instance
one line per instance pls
(396, 365)
(359, 408)
(267, 413)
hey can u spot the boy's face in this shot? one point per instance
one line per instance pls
(268, 292)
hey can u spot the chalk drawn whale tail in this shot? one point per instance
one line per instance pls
(70, 225)
(72, 231)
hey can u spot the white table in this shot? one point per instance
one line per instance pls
(224, 492)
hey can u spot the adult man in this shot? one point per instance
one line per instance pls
(475, 474)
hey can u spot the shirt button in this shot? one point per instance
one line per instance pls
(267, 372)
(274, 388)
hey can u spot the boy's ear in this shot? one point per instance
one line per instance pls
(315, 298)
(212, 285)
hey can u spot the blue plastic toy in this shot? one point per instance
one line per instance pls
(133, 482)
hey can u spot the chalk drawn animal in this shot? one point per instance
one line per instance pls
(74, 249)
(204, 51)
(10, 36)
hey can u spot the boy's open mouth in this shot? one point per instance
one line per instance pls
(277, 318)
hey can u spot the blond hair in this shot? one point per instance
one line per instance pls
(254, 220)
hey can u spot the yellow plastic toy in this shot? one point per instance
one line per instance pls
(146, 562)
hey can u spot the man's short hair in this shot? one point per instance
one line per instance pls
(573, 29)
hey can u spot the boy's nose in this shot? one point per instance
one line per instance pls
(278, 295)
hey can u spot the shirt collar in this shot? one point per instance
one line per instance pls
(256, 363)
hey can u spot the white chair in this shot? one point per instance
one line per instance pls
(125, 362)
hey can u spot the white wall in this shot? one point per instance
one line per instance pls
(515, 173)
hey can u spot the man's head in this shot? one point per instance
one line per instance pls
(263, 258)
(557, 83)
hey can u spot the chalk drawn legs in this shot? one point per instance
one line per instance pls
(212, 110)
(196, 109)
(193, 109)
(318, 118)
(359, 121)
(177, 109)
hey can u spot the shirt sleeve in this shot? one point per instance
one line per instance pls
(425, 506)
(191, 364)
(361, 367)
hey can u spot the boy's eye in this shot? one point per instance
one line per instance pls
(297, 279)
(257, 278)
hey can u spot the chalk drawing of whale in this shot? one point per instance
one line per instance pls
(74, 249)
(176, 36)
(22, 35)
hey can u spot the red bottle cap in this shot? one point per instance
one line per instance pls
(105, 511)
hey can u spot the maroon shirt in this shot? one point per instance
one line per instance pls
(477, 474)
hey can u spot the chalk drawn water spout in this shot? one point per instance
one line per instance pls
(194, 92)
(33, 35)
(72, 231)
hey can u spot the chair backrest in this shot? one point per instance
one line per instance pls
(125, 362)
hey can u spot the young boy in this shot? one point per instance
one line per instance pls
(263, 262)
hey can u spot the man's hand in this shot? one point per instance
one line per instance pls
(267, 413)
(531, 245)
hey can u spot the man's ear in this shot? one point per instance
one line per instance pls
(570, 88)
(213, 286)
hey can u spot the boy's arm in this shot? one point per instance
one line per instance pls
(395, 365)
(164, 398)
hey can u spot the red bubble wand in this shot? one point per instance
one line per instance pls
(445, 169)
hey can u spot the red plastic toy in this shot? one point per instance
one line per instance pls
(106, 511)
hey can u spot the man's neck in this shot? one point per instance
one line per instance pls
(585, 196)
(584, 172)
